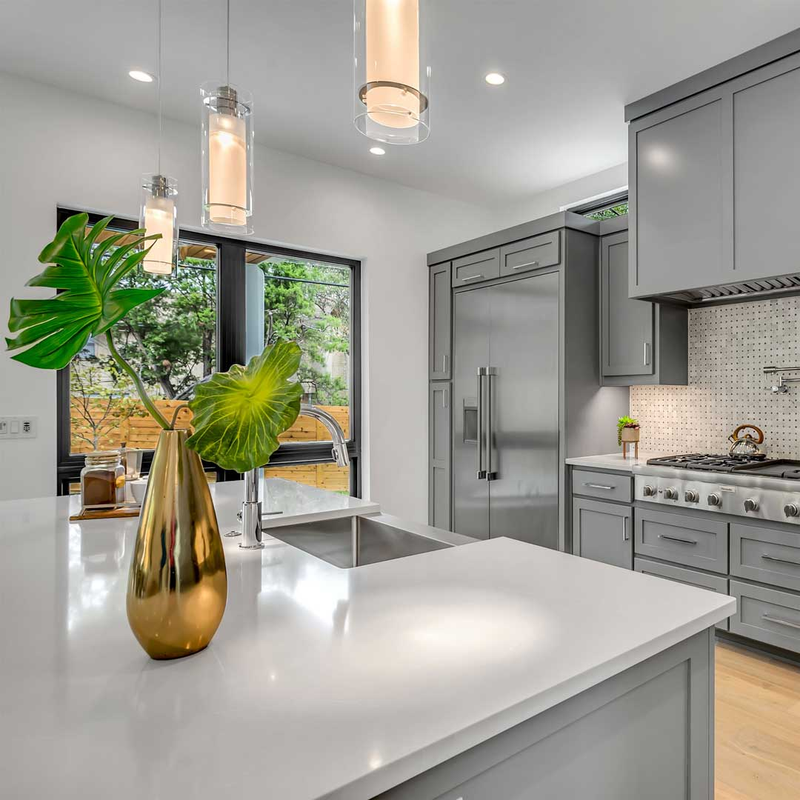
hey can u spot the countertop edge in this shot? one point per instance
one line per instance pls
(420, 761)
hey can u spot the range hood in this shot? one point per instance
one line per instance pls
(743, 291)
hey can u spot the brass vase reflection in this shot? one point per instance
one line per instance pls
(178, 586)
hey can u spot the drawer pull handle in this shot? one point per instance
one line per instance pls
(625, 534)
(599, 486)
(529, 264)
(676, 539)
(471, 278)
(781, 560)
(778, 621)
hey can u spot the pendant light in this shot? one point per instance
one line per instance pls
(227, 153)
(392, 76)
(158, 212)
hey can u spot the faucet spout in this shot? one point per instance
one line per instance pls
(339, 451)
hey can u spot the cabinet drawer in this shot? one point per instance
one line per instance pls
(529, 254)
(690, 577)
(766, 555)
(476, 268)
(683, 539)
(604, 485)
(766, 615)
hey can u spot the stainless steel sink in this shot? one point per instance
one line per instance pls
(380, 537)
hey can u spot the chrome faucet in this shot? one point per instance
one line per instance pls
(252, 512)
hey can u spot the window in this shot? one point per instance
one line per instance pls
(605, 207)
(223, 303)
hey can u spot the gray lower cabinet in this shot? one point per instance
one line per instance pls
(439, 503)
(682, 538)
(440, 336)
(766, 555)
(766, 615)
(691, 577)
(640, 342)
(602, 532)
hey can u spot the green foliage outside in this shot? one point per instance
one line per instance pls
(609, 213)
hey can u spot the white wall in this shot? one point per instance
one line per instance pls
(61, 148)
(553, 200)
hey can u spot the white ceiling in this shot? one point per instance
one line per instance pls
(571, 65)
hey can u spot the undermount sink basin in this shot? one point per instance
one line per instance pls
(381, 537)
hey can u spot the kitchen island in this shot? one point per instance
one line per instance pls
(495, 669)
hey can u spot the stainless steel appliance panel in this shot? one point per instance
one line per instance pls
(472, 336)
(523, 401)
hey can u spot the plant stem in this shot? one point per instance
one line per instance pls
(137, 382)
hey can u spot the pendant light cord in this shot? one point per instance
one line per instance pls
(158, 41)
(228, 52)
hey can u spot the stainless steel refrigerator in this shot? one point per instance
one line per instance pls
(506, 410)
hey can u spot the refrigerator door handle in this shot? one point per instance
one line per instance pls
(481, 472)
(491, 471)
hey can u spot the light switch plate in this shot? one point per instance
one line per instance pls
(18, 427)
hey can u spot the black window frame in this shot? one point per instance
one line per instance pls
(231, 349)
(605, 203)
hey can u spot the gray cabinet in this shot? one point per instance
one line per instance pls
(640, 342)
(766, 615)
(439, 455)
(531, 254)
(679, 189)
(766, 131)
(602, 532)
(479, 267)
(439, 322)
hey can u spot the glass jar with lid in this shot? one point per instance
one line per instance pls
(103, 480)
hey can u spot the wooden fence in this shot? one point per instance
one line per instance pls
(141, 431)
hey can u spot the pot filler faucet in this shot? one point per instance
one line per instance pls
(251, 512)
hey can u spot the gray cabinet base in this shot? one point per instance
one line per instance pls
(645, 733)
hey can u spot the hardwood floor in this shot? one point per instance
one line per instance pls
(757, 726)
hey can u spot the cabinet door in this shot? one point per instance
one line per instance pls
(766, 132)
(626, 324)
(439, 322)
(439, 456)
(483, 266)
(602, 532)
(680, 197)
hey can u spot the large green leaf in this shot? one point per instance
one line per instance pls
(88, 303)
(239, 415)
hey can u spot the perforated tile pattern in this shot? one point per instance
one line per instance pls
(728, 348)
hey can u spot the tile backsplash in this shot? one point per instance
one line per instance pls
(729, 346)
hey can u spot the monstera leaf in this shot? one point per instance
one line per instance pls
(89, 302)
(238, 415)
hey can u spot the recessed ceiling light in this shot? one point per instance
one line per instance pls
(377, 151)
(141, 76)
(495, 79)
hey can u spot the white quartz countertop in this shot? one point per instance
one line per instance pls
(613, 461)
(320, 682)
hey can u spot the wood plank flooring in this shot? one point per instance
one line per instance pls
(757, 726)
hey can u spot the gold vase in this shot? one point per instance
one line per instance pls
(177, 586)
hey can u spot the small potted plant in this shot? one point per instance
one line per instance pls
(628, 432)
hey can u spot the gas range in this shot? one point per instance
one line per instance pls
(746, 486)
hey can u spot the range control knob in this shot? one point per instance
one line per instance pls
(648, 491)
(750, 504)
(714, 500)
(791, 510)
(691, 496)
(671, 494)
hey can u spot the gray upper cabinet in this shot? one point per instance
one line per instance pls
(640, 342)
(476, 268)
(626, 341)
(602, 532)
(439, 455)
(530, 254)
(766, 166)
(439, 320)
(679, 197)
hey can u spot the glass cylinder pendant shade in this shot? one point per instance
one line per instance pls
(158, 213)
(227, 158)
(392, 76)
